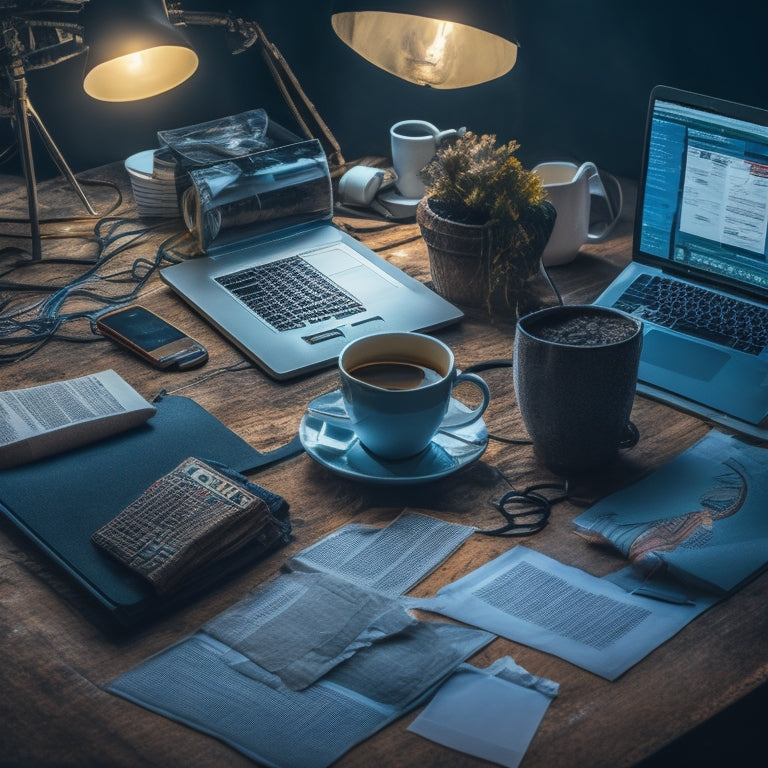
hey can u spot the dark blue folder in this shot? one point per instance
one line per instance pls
(58, 502)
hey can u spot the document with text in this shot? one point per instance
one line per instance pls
(535, 600)
(50, 418)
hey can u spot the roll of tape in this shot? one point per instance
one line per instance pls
(360, 184)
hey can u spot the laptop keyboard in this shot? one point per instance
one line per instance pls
(290, 294)
(697, 312)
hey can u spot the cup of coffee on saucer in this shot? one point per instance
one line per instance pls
(395, 419)
(397, 388)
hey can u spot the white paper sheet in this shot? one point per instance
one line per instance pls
(390, 560)
(532, 599)
(490, 713)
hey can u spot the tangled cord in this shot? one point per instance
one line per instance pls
(527, 510)
(537, 508)
(33, 325)
(70, 220)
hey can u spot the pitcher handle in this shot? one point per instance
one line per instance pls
(597, 188)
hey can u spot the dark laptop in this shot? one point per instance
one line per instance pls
(699, 272)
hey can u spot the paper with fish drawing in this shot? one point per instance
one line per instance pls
(700, 518)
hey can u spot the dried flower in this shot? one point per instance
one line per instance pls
(471, 180)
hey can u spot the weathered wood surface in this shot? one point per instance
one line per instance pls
(55, 662)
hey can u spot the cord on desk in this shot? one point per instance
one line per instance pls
(535, 512)
(81, 219)
(488, 365)
(33, 325)
(242, 365)
(526, 511)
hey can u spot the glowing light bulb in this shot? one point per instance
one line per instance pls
(134, 62)
(436, 50)
(426, 51)
(141, 74)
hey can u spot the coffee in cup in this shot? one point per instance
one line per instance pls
(395, 375)
(397, 388)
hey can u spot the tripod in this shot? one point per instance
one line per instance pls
(23, 114)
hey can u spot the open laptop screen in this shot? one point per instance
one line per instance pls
(704, 204)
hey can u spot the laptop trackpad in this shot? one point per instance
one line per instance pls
(682, 356)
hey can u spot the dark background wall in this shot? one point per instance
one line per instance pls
(579, 90)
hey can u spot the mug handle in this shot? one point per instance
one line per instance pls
(597, 188)
(462, 419)
(630, 436)
(441, 136)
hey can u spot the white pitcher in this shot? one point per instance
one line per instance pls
(570, 189)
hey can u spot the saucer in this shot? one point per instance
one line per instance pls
(400, 207)
(336, 447)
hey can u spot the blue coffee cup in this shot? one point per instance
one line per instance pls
(397, 388)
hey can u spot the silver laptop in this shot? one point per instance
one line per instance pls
(278, 279)
(699, 271)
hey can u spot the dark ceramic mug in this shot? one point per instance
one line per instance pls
(575, 373)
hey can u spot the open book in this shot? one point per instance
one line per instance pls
(701, 517)
(51, 418)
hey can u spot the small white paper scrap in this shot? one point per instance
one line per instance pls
(489, 713)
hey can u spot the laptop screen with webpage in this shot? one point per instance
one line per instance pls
(704, 192)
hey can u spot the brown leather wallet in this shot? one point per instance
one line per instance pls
(190, 517)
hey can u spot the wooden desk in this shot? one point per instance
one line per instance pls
(55, 663)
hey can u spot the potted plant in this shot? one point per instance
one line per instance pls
(486, 221)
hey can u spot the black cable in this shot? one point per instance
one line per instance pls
(486, 366)
(84, 219)
(115, 236)
(551, 284)
(535, 514)
(526, 511)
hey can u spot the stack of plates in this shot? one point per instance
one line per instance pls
(153, 175)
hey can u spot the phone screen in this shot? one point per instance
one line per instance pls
(143, 328)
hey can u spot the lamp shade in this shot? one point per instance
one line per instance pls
(439, 43)
(134, 50)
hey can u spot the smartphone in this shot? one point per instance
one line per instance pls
(152, 338)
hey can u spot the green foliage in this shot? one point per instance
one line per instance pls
(473, 181)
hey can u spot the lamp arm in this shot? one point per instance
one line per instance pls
(249, 33)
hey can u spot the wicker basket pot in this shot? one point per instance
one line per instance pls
(495, 267)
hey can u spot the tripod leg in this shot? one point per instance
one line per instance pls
(57, 157)
(27, 164)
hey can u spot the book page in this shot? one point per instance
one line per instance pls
(390, 560)
(49, 418)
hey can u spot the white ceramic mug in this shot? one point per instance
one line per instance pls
(397, 388)
(570, 189)
(414, 143)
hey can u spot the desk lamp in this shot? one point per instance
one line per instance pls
(137, 50)
(438, 43)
